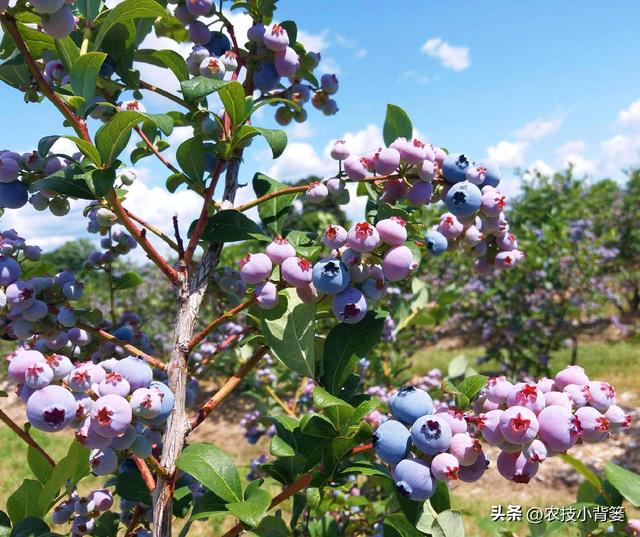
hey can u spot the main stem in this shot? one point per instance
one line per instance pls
(189, 293)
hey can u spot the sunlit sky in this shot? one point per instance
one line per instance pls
(531, 84)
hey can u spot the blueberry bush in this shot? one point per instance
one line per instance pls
(299, 317)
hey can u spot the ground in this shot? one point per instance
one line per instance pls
(554, 485)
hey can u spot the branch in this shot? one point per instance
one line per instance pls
(223, 345)
(204, 213)
(140, 237)
(156, 231)
(78, 124)
(226, 389)
(151, 360)
(302, 188)
(134, 521)
(155, 151)
(147, 476)
(176, 231)
(168, 95)
(26, 437)
(213, 325)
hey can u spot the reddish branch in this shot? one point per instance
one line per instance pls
(147, 476)
(157, 232)
(155, 151)
(227, 388)
(134, 521)
(78, 124)
(26, 437)
(204, 213)
(195, 340)
(223, 345)
(151, 360)
(141, 237)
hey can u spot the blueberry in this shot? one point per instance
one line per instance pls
(59, 24)
(334, 236)
(431, 434)
(536, 451)
(136, 371)
(559, 428)
(455, 418)
(386, 160)
(114, 383)
(125, 440)
(470, 474)
(83, 525)
(13, 195)
(392, 441)
(51, 408)
(287, 62)
(280, 249)
(329, 84)
(212, 68)
(330, 276)
(89, 438)
(296, 271)
(9, 170)
(489, 426)
(183, 15)
(218, 44)
(38, 375)
(526, 395)
(516, 467)
(410, 403)
(340, 150)
(199, 32)
(265, 77)
(491, 172)
(603, 395)
(363, 237)
(103, 461)
(435, 242)
(398, 263)
(518, 425)
(266, 294)
(141, 447)
(350, 306)
(355, 168)
(445, 467)
(10, 270)
(413, 479)
(463, 199)
(102, 499)
(47, 6)
(572, 374)
(110, 415)
(255, 268)
(145, 403)
(198, 8)
(275, 38)
(316, 193)
(60, 365)
(454, 168)
(230, 60)
(255, 34)
(420, 193)
(578, 395)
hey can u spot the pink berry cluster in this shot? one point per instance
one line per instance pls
(528, 422)
(82, 511)
(418, 174)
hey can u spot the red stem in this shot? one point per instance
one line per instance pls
(217, 322)
(147, 476)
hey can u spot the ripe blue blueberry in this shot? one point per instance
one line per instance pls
(59, 24)
(114, 383)
(38, 375)
(125, 440)
(141, 447)
(330, 276)
(89, 438)
(329, 84)
(265, 77)
(454, 168)
(491, 172)
(199, 32)
(435, 242)
(410, 403)
(9, 170)
(51, 408)
(413, 479)
(392, 441)
(431, 434)
(103, 461)
(255, 34)
(350, 306)
(13, 195)
(198, 8)
(47, 6)
(10, 270)
(420, 193)
(212, 68)
(463, 199)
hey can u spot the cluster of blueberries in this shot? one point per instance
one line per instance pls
(56, 16)
(425, 174)
(18, 171)
(82, 511)
(528, 422)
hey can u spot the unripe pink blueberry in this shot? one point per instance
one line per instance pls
(335, 186)
(603, 395)
(287, 61)
(498, 389)
(572, 374)
(394, 190)
(114, 383)
(493, 203)
(455, 418)
(594, 426)
(515, 467)
(617, 417)
(450, 226)
(386, 160)
(355, 168)
(398, 263)
(317, 192)
(350, 306)
(296, 271)
(334, 236)
(427, 170)
(255, 268)
(102, 499)
(266, 294)
(307, 293)
(103, 461)
(559, 399)
(110, 415)
(489, 426)
(392, 231)
(363, 237)
(559, 428)
(536, 451)
(445, 467)
(465, 448)
(80, 379)
(21, 361)
(579, 395)
(276, 38)
(340, 150)
(545, 384)
(279, 249)
(518, 425)
(506, 260)
(526, 395)
(507, 242)
(51, 408)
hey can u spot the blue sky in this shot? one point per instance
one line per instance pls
(529, 83)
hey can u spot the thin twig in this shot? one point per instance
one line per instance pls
(217, 322)
(157, 467)
(147, 476)
(151, 360)
(226, 388)
(155, 151)
(168, 95)
(26, 437)
(176, 231)
(156, 231)
(134, 520)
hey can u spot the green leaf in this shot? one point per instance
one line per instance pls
(206, 505)
(231, 226)
(40, 466)
(471, 386)
(24, 501)
(86, 148)
(396, 124)
(273, 212)
(66, 473)
(100, 181)
(113, 137)
(441, 500)
(292, 31)
(276, 139)
(345, 344)
(174, 181)
(233, 100)
(84, 74)
(397, 525)
(190, 157)
(305, 243)
(457, 366)
(625, 481)
(317, 425)
(255, 505)
(37, 42)
(367, 468)
(198, 87)
(448, 524)
(279, 447)
(45, 144)
(106, 525)
(213, 468)
(30, 527)
(89, 8)
(68, 52)
(163, 121)
(64, 182)
(14, 72)
(271, 526)
(289, 330)
(164, 58)
(126, 11)
(582, 469)
(128, 280)
(131, 486)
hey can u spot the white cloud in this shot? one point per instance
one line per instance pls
(360, 53)
(451, 57)
(539, 128)
(621, 151)
(571, 147)
(538, 166)
(572, 154)
(300, 131)
(298, 161)
(329, 65)
(630, 117)
(313, 42)
(508, 154)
